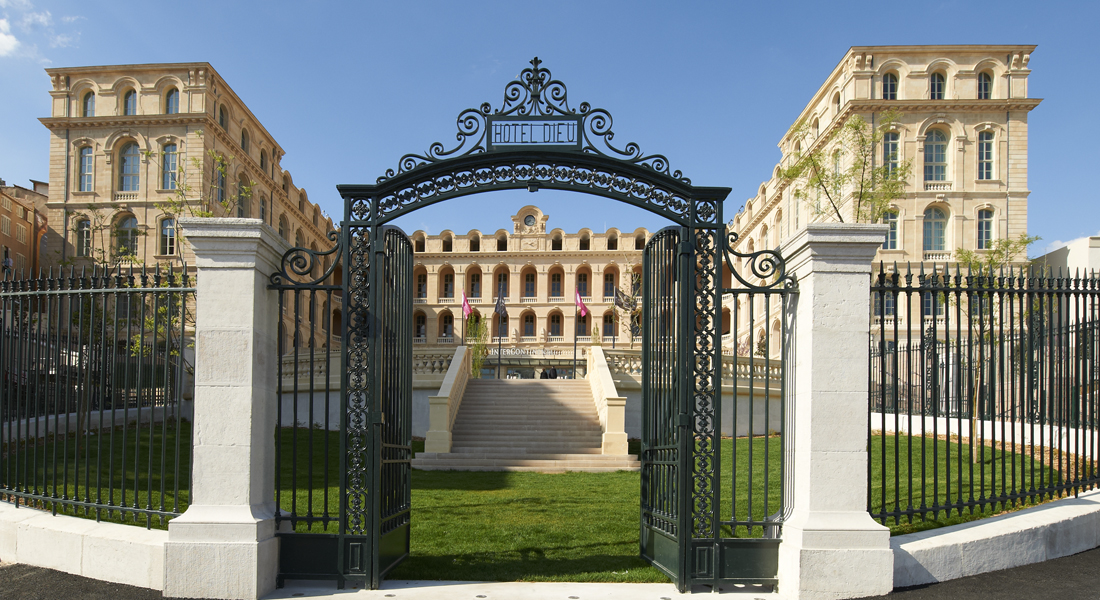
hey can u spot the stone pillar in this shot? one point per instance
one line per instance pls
(831, 547)
(224, 545)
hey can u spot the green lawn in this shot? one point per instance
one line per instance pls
(119, 468)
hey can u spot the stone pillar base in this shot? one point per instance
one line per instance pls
(437, 441)
(834, 555)
(220, 552)
(615, 443)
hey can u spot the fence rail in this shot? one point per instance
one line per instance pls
(92, 376)
(983, 390)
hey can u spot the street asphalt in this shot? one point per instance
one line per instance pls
(1070, 577)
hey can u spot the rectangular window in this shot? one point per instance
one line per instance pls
(555, 285)
(933, 304)
(985, 155)
(20, 261)
(5, 225)
(502, 284)
(168, 167)
(20, 212)
(422, 286)
(449, 285)
(21, 233)
(985, 229)
(609, 285)
(475, 285)
(5, 202)
(582, 284)
(529, 286)
(891, 219)
(890, 152)
(884, 304)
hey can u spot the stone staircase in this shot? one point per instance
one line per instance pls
(542, 425)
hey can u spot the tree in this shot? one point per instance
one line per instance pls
(477, 335)
(631, 306)
(1001, 253)
(865, 185)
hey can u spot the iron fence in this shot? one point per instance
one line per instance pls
(983, 390)
(93, 368)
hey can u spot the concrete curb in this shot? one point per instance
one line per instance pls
(1032, 535)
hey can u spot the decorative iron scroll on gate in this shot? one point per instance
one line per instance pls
(537, 140)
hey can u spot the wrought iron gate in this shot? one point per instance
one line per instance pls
(345, 386)
(730, 533)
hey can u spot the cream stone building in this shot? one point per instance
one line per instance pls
(962, 121)
(542, 271)
(133, 145)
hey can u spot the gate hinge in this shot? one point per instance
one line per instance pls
(685, 420)
(686, 247)
(377, 417)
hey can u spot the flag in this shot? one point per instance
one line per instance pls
(580, 304)
(466, 309)
(623, 301)
(499, 308)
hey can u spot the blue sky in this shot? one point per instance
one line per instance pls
(347, 88)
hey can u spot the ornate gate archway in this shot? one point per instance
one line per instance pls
(534, 140)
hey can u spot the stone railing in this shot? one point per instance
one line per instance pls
(609, 404)
(443, 407)
(937, 186)
(938, 256)
(626, 363)
(325, 366)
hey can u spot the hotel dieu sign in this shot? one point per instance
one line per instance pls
(558, 132)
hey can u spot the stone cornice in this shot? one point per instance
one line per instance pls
(122, 121)
(952, 105)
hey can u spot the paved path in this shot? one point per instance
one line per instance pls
(1076, 577)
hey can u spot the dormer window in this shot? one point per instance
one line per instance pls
(584, 242)
(985, 86)
(612, 243)
(475, 244)
(502, 244)
(447, 244)
(89, 105)
(172, 102)
(129, 103)
(889, 87)
(555, 243)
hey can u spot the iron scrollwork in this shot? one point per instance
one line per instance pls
(536, 94)
(763, 264)
(299, 263)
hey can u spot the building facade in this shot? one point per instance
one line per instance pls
(23, 226)
(541, 272)
(960, 119)
(134, 146)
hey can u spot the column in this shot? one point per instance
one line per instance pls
(831, 547)
(224, 545)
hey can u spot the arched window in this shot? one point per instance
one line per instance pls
(223, 117)
(475, 285)
(608, 285)
(87, 166)
(447, 244)
(555, 285)
(421, 285)
(129, 103)
(555, 243)
(316, 216)
(935, 229)
(985, 86)
(555, 325)
(447, 325)
(935, 156)
(936, 86)
(448, 285)
(172, 102)
(167, 244)
(502, 243)
(585, 244)
(89, 105)
(985, 155)
(985, 229)
(326, 317)
(244, 198)
(127, 235)
(263, 209)
(244, 140)
(475, 244)
(298, 239)
(889, 87)
(421, 325)
(501, 285)
(836, 104)
(612, 242)
(83, 237)
(168, 166)
(286, 184)
(890, 218)
(582, 284)
(418, 244)
(890, 152)
(609, 325)
(283, 229)
(582, 326)
(219, 184)
(528, 325)
(639, 242)
(529, 285)
(817, 129)
(128, 168)
(263, 160)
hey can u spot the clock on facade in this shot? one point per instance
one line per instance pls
(529, 221)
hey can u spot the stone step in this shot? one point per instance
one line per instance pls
(527, 452)
(559, 456)
(479, 435)
(447, 462)
(544, 420)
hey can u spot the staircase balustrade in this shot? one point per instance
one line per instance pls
(443, 407)
(610, 406)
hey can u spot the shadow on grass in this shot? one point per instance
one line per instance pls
(461, 480)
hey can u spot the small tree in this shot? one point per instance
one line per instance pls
(866, 185)
(630, 304)
(477, 336)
